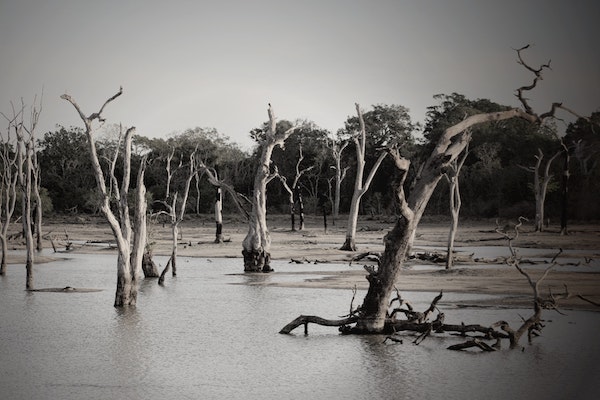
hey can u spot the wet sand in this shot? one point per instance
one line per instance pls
(313, 244)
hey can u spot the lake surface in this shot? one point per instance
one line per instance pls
(208, 335)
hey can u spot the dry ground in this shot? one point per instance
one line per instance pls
(314, 244)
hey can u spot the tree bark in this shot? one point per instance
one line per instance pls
(256, 245)
(564, 188)
(455, 204)
(540, 185)
(399, 239)
(9, 179)
(340, 174)
(360, 187)
(128, 272)
(149, 266)
(219, 216)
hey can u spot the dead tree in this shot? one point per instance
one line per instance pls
(220, 185)
(372, 316)
(337, 148)
(131, 241)
(455, 202)
(540, 186)
(564, 190)
(257, 243)
(176, 215)
(219, 215)
(402, 316)
(8, 190)
(24, 149)
(294, 194)
(360, 187)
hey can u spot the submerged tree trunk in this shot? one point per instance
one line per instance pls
(149, 266)
(4, 245)
(9, 178)
(175, 233)
(372, 316)
(219, 216)
(256, 245)
(300, 203)
(130, 249)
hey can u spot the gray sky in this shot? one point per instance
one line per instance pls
(217, 64)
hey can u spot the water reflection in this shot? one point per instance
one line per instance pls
(210, 333)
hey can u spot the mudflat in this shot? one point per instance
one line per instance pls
(577, 266)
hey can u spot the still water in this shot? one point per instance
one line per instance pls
(208, 335)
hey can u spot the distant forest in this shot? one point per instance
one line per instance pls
(497, 179)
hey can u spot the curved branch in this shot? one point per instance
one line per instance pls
(306, 319)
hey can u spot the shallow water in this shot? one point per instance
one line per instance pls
(207, 335)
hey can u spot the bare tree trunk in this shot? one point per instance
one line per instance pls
(128, 272)
(300, 207)
(4, 245)
(540, 186)
(27, 221)
(256, 245)
(176, 217)
(219, 216)
(564, 189)
(455, 203)
(340, 174)
(397, 242)
(294, 193)
(360, 188)
(175, 233)
(8, 188)
(36, 184)
(149, 266)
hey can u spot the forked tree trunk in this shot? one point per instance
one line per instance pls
(9, 179)
(340, 174)
(455, 204)
(540, 186)
(177, 218)
(360, 187)
(130, 248)
(256, 245)
(372, 316)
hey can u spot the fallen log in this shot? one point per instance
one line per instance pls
(306, 319)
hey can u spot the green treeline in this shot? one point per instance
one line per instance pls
(496, 180)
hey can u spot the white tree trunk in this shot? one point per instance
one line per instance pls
(360, 188)
(128, 273)
(256, 245)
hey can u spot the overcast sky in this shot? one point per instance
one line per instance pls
(217, 64)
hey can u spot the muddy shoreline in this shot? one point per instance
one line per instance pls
(314, 245)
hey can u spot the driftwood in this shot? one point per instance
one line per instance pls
(306, 319)
(418, 321)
